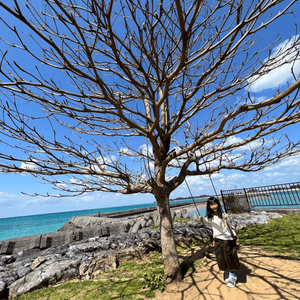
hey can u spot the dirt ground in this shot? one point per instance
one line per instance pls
(263, 275)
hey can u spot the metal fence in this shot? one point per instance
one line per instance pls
(284, 195)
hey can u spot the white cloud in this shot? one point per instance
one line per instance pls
(126, 151)
(260, 99)
(29, 166)
(61, 185)
(146, 150)
(274, 174)
(278, 75)
(292, 161)
(250, 146)
(288, 162)
(232, 178)
(88, 198)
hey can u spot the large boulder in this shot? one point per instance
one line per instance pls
(101, 265)
(44, 275)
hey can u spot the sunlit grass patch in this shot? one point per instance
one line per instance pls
(281, 235)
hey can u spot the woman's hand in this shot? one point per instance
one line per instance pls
(225, 216)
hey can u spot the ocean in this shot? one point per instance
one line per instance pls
(45, 223)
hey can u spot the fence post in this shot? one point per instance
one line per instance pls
(247, 199)
(225, 208)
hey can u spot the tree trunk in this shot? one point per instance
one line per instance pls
(168, 245)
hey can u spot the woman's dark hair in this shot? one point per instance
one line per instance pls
(209, 212)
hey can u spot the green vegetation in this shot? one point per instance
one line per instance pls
(280, 235)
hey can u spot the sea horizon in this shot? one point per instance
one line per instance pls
(20, 226)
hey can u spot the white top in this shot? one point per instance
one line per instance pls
(220, 228)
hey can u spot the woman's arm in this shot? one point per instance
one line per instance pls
(203, 220)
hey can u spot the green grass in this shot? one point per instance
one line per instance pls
(130, 280)
(280, 235)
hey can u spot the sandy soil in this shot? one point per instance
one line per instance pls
(263, 275)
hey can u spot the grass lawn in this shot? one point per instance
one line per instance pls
(136, 281)
(280, 235)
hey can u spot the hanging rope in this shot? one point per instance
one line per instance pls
(213, 185)
(190, 191)
(204, 226)
(189, 187)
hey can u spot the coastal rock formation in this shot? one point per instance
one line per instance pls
(82, 222)
(32, 268)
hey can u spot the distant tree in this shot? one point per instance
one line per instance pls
(134, 96)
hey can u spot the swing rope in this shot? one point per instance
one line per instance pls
(191, 192)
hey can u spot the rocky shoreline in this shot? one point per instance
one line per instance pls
(84, 257)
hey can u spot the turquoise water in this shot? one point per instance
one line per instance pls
(45, 223)
(275, 199)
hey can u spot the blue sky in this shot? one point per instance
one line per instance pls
(14, 203)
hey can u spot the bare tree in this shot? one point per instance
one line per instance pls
(162, 85)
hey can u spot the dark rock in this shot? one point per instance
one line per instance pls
(193, 223)
(180, 230)
(8, 259)
(69, 274)
(27, 254)
(144, 235)
(152, 245)
(8, 277)
(3, 286)
(60, 250)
